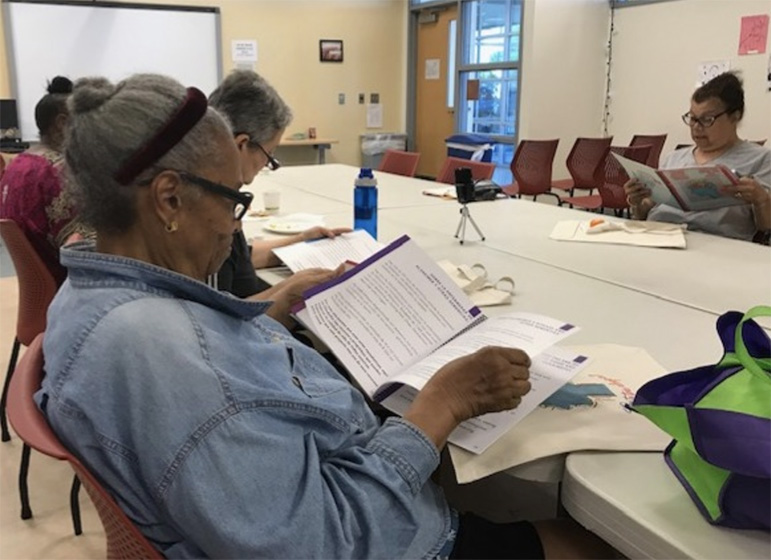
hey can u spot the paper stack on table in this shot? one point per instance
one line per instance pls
(640, 233)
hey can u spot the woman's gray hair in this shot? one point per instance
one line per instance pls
(251, 105)
(109, 123)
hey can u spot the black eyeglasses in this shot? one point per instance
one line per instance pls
(273, 163)
(242, 200)
(690, 119)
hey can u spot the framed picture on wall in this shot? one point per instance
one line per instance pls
(330, 50)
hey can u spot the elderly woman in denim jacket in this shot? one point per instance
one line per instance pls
(217, 432)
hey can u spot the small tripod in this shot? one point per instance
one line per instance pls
(466, 215)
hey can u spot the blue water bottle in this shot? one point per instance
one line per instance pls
(365, 202)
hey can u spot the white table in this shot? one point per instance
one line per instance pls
(633, 502)
(665, 301)
(335, 182)
(713, 274)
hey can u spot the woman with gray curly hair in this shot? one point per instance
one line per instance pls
(219, 434)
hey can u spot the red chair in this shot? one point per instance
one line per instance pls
(123, 539)
(610, 178)
(582, 160)
(479, 169)
(36, 290)
(656, 143)
(400, 163)
(2, 166)
(531, 168)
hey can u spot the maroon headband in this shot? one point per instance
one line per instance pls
(185, 118)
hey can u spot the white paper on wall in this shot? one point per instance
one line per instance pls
(243, 50)
(374, 115)
(432, 69)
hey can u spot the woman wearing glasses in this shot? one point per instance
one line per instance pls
(258, 117)
(717, 107)
(219, 434)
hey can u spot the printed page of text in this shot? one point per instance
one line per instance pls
(529, 332)
(549, 371)
(389, 314)
(329, 252)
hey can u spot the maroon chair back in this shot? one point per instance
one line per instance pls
(612, 177)
(400, 162)
(2, 166)
(583, 159)
(532, 164)
(124, 540)
(479, 169)
(656, 142)
(37, 286)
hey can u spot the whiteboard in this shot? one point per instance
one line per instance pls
(79, 39)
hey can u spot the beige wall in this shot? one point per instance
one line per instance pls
(288, 32)
(656, 51)
(563, 64)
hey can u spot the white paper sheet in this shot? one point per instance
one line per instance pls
(329, 252)
(374, 115)
(578, 230)
(550, 370)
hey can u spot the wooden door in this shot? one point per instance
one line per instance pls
(434, 120)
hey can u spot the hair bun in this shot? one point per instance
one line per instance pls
(91, 93)
(60, 84)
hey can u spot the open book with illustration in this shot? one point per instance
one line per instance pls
(328, 252)
(688, 188)
(397, 317)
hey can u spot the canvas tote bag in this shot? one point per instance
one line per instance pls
(720, 419)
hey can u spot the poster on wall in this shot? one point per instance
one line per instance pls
(753, 35)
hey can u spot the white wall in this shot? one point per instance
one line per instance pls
(563, 72)
(656, 50)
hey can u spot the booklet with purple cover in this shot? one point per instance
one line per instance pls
(397, 317)
(688, 188)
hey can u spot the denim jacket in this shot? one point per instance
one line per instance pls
(219, 434)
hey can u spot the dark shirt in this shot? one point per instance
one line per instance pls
(237, 274)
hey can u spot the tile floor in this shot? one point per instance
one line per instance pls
(49, 534)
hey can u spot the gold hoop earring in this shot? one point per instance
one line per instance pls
(171, 227)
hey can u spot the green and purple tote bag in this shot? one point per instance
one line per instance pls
(720, 419)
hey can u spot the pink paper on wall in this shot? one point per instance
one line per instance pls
(754, 34)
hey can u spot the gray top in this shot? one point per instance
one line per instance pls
(747, 158)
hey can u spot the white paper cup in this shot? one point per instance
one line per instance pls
(272, 201)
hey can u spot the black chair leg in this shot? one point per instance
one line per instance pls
(26, 511)
(6, 435)
(75, 505)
